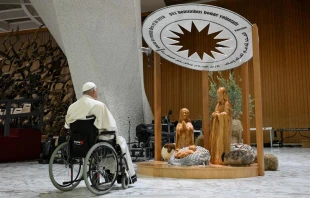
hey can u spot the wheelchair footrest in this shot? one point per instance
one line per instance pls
(119, 179)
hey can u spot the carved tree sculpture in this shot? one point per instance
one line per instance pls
(34, 70)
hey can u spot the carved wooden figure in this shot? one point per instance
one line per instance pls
(185, 131)
(181, 154)
(20, 60)
(221, 127)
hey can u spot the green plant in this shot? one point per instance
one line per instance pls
(234, 94)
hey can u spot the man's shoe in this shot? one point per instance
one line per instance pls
(133, 179)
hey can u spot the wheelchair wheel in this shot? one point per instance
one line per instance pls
(64, 174)
(125, 180)
(101, 170)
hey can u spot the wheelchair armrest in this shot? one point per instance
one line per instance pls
(91, 116)
(107, 133)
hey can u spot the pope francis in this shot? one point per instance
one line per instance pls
(88, 104)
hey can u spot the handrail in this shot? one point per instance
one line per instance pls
(20, 100)
(8, 116)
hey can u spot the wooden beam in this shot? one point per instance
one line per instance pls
(205, 109)
(157, 106)
(258, 102)
(4, 26)
(14, 14)
(245, 103)
(145, 14)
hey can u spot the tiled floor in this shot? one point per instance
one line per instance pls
(30, 179)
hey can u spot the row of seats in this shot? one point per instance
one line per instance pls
(26, 108)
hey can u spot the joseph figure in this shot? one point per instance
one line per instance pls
(221, 127)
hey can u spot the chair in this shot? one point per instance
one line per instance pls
(17, 121)
(17, 111)
(12, 109)
(82, 130)
(86, 157)
(1, 112)
(144, 132)
(197, 124)
(145, 135)
(26, 108)
(168, 133)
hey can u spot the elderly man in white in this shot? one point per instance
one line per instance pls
(88, 104)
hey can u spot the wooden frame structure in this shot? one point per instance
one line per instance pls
(160, 169)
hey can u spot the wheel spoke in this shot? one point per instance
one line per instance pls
(102, 170)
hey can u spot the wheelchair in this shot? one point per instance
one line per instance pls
(99, 167)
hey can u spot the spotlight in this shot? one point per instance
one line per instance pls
(146, 50)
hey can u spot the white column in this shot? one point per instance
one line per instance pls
(101, 39)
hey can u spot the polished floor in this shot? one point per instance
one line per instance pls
(30, 179)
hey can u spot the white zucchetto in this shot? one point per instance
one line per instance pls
(87, 86)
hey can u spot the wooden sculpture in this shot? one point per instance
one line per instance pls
(221, 127)
(20, 60)
(185, 131)
(181, 154)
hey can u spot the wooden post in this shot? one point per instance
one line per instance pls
(245, 103)
(258, 101)
(157, 107)
(205, 109)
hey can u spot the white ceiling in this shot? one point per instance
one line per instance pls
(21, 14)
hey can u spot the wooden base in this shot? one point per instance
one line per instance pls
(305, 144)
(162, 169)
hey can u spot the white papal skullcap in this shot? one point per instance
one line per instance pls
(87, 86)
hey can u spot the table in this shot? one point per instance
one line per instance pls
(290, 129)
(266, 129)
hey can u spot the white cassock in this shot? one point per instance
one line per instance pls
(87, 105)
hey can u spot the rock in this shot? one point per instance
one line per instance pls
(236, 134)
(270, 162)
(199, 141)
(240, 154)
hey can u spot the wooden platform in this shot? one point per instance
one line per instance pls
(162, 169)
(305, 144)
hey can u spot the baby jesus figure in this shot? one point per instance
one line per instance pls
(181, 154)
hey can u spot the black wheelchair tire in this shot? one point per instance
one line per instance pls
(62, 187)
(86, 173)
